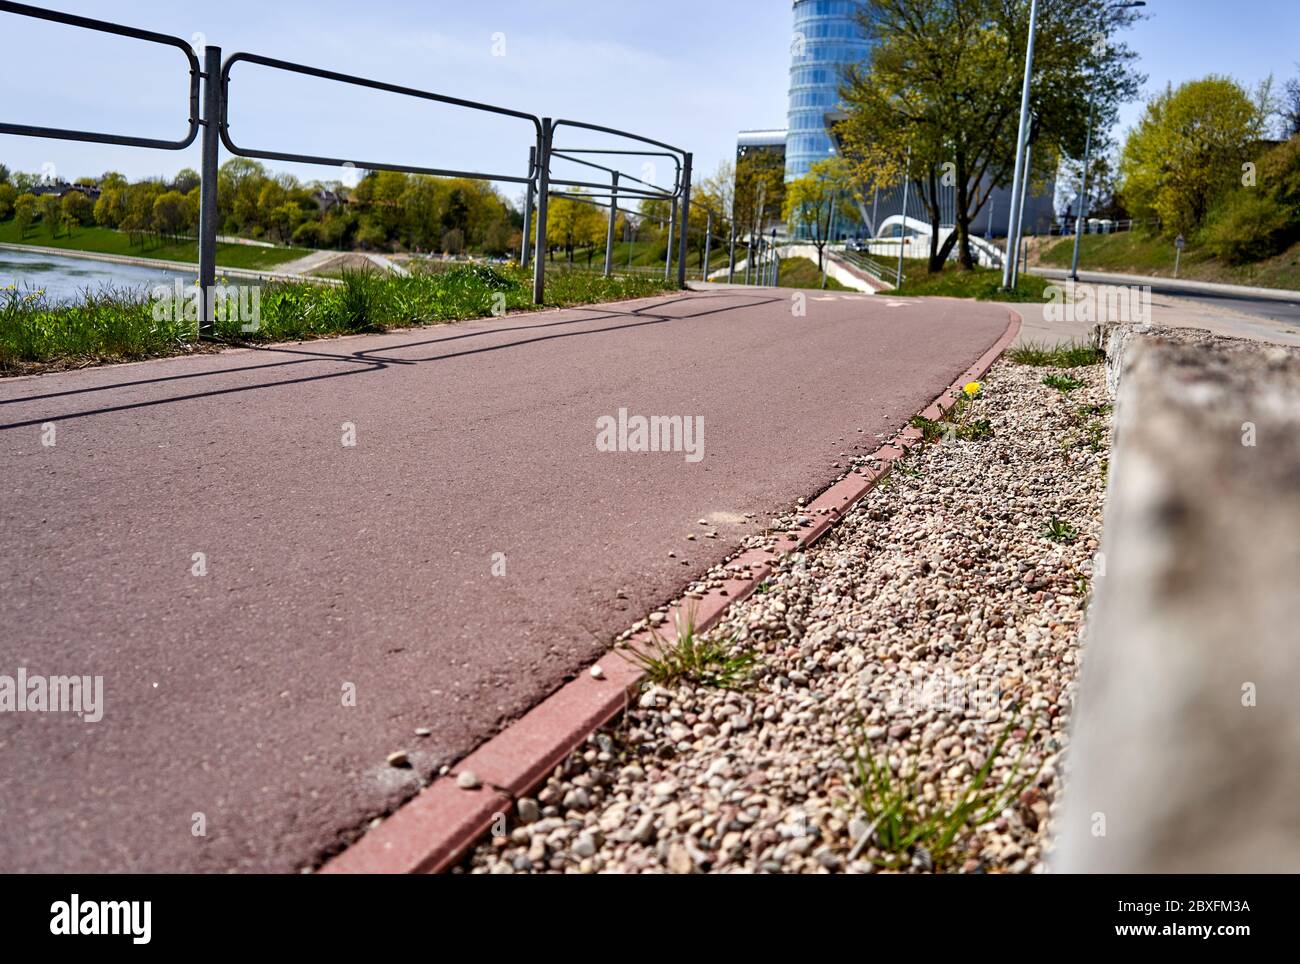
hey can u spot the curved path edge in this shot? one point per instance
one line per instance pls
(435, 828)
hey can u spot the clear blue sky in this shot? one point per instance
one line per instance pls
(690, 72)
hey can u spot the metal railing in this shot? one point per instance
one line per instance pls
(209, 102)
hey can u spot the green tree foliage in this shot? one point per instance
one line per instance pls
(172, 215)
(51, 214)
(76, 209)
(817, 199)
(1188, 151)
(24, 213)
(944, 79)
(1261, 217)
(760, 191)
(386, 211)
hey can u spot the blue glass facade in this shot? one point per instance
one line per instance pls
(827, 35)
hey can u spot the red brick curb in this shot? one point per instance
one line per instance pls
(433, 830)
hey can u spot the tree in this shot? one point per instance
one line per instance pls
(171, 214)
(1187, 151)
(7, 196)
(714, 194)
(77, 209)
(51, 211)
(816, 200)
(110, 208)
(186, 180)
(24, 213)
(759, 191)
(1291, 107)
(944, 79)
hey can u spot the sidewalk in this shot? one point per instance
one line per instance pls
(1172, 286)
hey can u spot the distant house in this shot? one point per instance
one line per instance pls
(326, 199)
(60, 188)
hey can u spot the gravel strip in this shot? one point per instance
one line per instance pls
(935, 617)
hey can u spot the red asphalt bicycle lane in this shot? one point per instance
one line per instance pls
(349, 595)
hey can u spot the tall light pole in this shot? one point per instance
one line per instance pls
(1087, 157)
(902, 228)
(1020, 211)
(1083, 190)
(1017, 184)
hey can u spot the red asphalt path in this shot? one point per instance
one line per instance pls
(334, 570)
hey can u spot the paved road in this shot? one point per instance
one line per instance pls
(333, 569)
(1264, 304)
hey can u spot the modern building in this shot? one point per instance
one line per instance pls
(749, 143)
(827, 37)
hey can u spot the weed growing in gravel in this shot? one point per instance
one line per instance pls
(692, 658)
(1060, 356)
(1062, 383)
(1058, 530)
(903, 825)
(933, 431)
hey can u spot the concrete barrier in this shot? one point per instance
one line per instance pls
(1185, 746)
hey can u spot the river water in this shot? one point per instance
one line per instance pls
(66, 279)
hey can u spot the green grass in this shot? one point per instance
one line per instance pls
(982, 284)
(804, 273)
(1073, 355)
(692, 658)
(118, 324)
(107, 241)
(956, 424)
(1062, 383)
(903, 824)
(1137, 252)
(1058, 530)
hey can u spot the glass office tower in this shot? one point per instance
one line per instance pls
(827, 35)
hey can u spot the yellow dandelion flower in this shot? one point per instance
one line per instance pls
(972, 389)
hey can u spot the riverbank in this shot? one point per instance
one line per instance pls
(107, 241)
(39, 333)
(186, 268)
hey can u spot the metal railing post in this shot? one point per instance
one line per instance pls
(208, 213)
(685, 222)
(731, 253)
(668, 258)
(543, 192)
(609, 232)
(708, 245)
(528, 211)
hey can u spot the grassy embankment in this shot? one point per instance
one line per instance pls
(982, 284)
(1135, 252)
(108, 241)
(119, 325)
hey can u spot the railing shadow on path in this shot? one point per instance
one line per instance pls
(369, 360)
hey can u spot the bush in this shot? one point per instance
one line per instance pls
(1251, 226)
(307, 234)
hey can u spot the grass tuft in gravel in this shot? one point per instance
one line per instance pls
(692, 657)
(909, 830)
(1058, 530)
(1056, 356)
(1062, 383)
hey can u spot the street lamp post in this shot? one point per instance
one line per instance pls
(1083, 191)
(1017, 184)
(902, 228)
(1087, 156)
